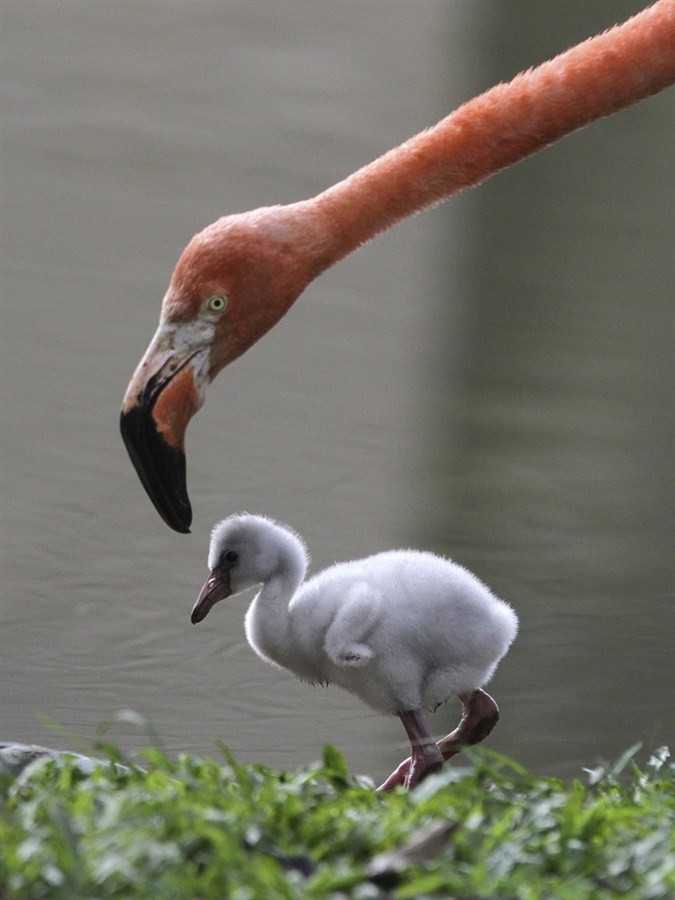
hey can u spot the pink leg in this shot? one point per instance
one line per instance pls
(479, 716)
(425, 755)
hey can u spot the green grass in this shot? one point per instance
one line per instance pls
(196, 828)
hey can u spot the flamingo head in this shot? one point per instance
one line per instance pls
(233, 282)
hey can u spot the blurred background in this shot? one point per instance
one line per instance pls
(492, 380)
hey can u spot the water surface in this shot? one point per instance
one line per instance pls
(491, 380)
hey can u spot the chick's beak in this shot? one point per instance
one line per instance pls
(165, 391)
(217, 587)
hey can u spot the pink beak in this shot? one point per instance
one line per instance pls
(217, 587)
(165, 391)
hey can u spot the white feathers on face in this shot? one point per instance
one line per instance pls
(264, 548)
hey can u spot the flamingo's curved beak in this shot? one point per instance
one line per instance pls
(164, 393)
(217, 587)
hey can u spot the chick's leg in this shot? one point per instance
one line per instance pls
(480, 714)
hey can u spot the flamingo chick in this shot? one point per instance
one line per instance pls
(404, 630)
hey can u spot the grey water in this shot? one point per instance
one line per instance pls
(492, 380)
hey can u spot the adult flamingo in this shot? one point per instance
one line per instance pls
(241, 274)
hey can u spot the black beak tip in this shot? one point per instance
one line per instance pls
(160, 467)
(199, 613)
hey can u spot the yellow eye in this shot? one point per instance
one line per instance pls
(216, 304)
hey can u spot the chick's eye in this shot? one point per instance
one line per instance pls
(216, 304)
(231, 557)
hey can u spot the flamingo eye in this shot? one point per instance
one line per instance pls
(231, 557)
(217, 303)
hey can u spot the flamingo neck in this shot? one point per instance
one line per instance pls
(268, 621)
(511, 121)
